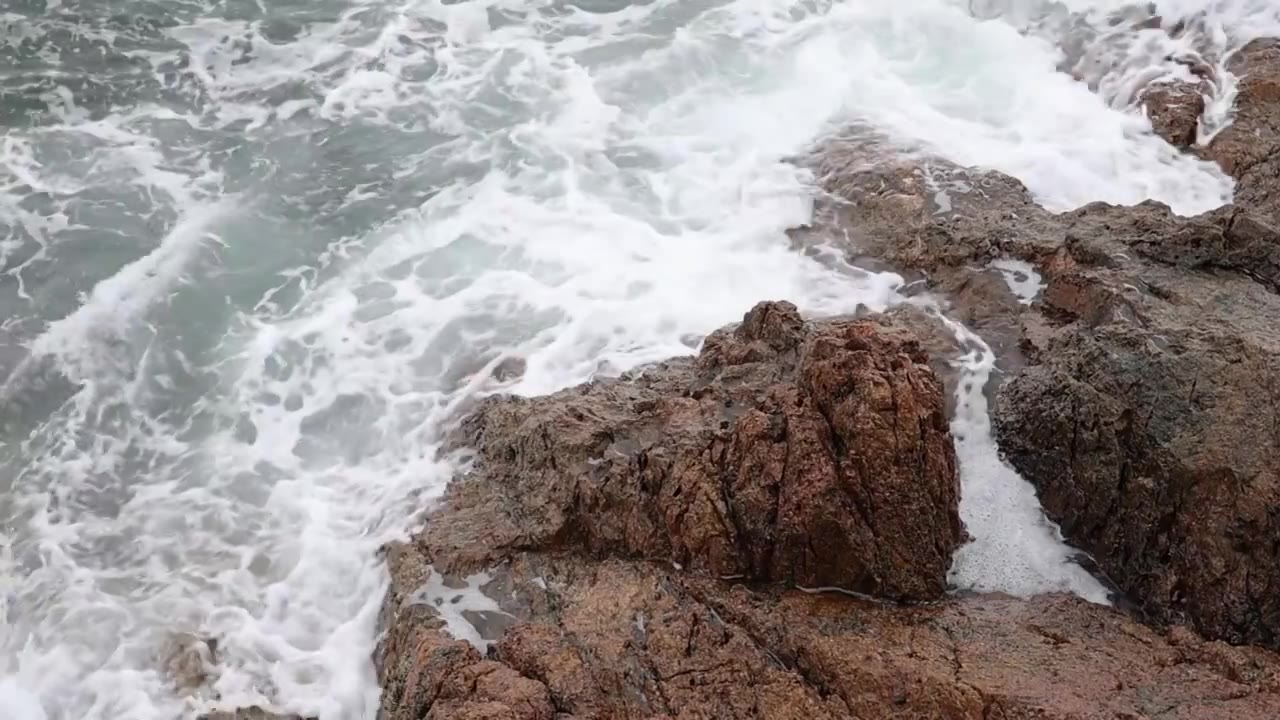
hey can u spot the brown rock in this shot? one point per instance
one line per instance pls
(1147, 423)
(1148, 427)
(426, 674)
(916, 214)
(810, 453)
(1175, 109)
(579, 503)
(817, 454)
(608, 639)
(999, 657)
(941, 226)
(624, 639)
(509, 369)
(1249, 149)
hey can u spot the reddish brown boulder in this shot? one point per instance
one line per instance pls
(808, 453)
(817, 454)
(191, 663)
(601, 639)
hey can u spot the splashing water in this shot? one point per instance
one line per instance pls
(1016, 550)
(257, 257)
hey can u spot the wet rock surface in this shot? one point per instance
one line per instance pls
(998, 657)
(1249, 149)
(810, 454)
(815, 454)
(626, 639)
(191, 663)
(1175, 109)
(628, 588)
(1148, 424)
(1142, 402)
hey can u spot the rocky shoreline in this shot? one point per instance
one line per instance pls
(764, 530)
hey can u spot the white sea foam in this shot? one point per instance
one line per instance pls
(453, 604)
(18, 703)
(1023, 279)
(415, 191)
(1015, 549)
(1118, 61)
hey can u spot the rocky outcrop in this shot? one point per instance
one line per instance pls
(1249, 148)
(1149, 427)
(810, 454)
(620, 639)
(448, 678)
(1057, 657)
(607, 639)
(1145, 408)
(815, 454)
(641, 540)
(1167, 365)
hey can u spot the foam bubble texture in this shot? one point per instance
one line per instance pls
(1015, 548)
(1023, 279)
